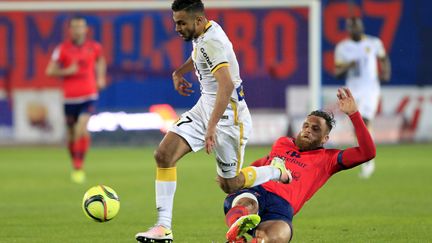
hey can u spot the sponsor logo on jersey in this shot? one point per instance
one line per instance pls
(207, 58)
(296, 162)
(222, 164)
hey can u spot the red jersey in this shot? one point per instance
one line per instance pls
(311, 169)
(82, 85)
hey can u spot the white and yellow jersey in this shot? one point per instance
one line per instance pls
(211, 51)
(364, 76)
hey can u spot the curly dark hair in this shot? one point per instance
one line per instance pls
(188, 6)
(328, 117)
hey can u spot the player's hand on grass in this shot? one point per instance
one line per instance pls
(182, 86)
(210, 139)
(346, 101)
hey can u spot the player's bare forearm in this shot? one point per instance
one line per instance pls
(181, 85)
(366, 149)
(185, 67)
(101, 69)
(341, 69)
(54, 70)
(385, 69)
(340, 72)
(225, 89)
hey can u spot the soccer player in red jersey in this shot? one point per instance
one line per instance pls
(81, 65)
(266, 211)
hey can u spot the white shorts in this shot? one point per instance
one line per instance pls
(232, 132)
(367, 102)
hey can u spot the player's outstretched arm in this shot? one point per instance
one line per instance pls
(54, 70)
(366, 147)
(341, 69)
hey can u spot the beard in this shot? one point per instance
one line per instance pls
(356, 37)
(187, 38)
(189, 35)
(305, 144)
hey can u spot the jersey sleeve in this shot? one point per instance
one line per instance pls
(213, 52)
(340, 56)
(365, 151)
(380, 48)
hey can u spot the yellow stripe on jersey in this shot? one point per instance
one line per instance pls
(234, 108)
(222, 64)
(166, 174)
(237, 123)
(239, 158)
(208, 25)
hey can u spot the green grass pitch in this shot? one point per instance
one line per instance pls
(39, 203)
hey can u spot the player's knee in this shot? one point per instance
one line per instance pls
(230, 185)
(162, 158)
(226, 188)
(247, 200)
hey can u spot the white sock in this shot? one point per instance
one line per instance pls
(265, 174)
(165, 191)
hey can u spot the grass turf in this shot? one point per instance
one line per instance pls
(39, 203)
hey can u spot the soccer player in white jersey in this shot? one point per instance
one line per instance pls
(220, 121)
(356, 60)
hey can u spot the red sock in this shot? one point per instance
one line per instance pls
(235, 213)
(77, 157)
(80, 149)
(85, 144)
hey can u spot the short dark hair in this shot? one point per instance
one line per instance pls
(328, 116)
(190, 6)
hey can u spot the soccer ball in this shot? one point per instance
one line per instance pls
(101, 203)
